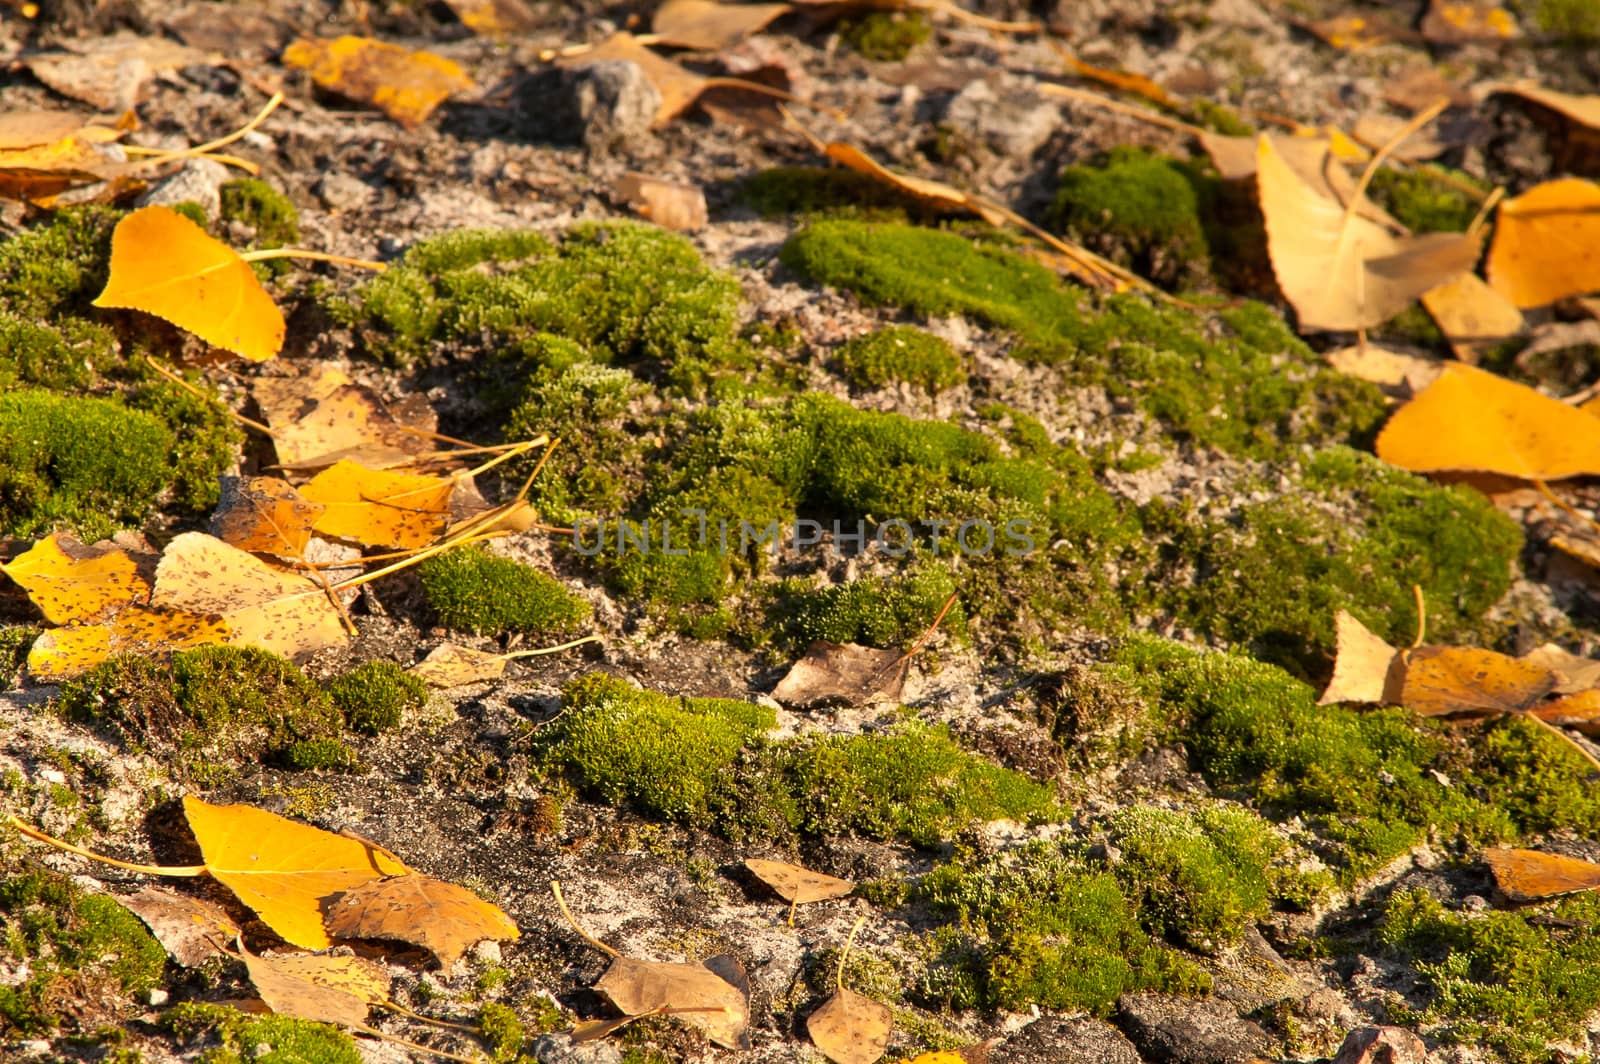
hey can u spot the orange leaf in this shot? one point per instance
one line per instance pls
(709, 26)
(1580, 711)
(1528, 875)
(164, 264)
(1440, 681)
(1547, 243)
(282, 869)
(1472, 420)
(935, 193)
(382, 508)
(264, 514)
(406, 85)
(441, 917)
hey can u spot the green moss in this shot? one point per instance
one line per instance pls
(1141, 211)
(1201, 876)
(503, 1031)
(88, 465)
(83, 955)
(809, 189)
(1274, 579)
(901, 353)
(1511, 981)
(305, 755)
(213, 705)
(374, 696)
(666, 756)
(259, 1039)
(1574, 21)
(1040, 929)
(875, 611)
(251, 201)
(63, 356)
(913, 782)
(475, 591)
(15, 641)
(1241, 381)
(627, 292)
(53, 270)
(1220, 119)
(1427, 198)
(887, 36)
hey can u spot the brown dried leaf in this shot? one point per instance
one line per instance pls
(679, 87)
(109, 72)
(1399, 375)
(669, 204)
(264, 515)
(934, 193)
(323, 989)
(709, 26)
(843, 672)
(1574, 671)
(1448, 681)
(850, 1028)
(638, 987)
(799, 885)
(192, 930)
(1529, 875)
(440, 917)
(1472, 316)
(448, 665)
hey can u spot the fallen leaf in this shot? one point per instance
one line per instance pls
(1399, 375)
(1529, 875)
(850, 1028)
(70, 582)
(494, 18)
(843, 672)
(264, 515)
(237, 30)
(1473, 316)
(1374, 130)
(1468, 21)
(696, 993)
(28, 129)
(709, 26)
(406, 85)
(1445, 681)
(440, 917)
(1547, 243)
(281, 869)
(164, 264)
(321, 417)
(669, 204)
(109, 72)
(1575, 672)
(1580, 711)
(1584, 110)
(43, 153)
(1420, 86)
(380, 507)
(1350, 33)
(448, 665)
(322, 989)
(796, 885)
(1365, 667)
(934, 193)
(283, 612)
(1122, 81)
(1338, 269)
(189, 929)
(1470, 420)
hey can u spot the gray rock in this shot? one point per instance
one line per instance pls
(341, 191)
(597, 104)
(1068, 1040)
(1013, 124)
(200, 181)
(1382, 1045)
(559, 1049)
(1167, 1029)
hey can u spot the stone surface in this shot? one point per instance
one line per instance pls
(1013, 124)
(1177, 1030)
(597, 105)
(1382, 1045)
(1068, 1040)
(200, 181)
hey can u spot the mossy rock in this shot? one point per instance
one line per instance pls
(375, 696)
(83, 956)
(215, 707)
(900, 353)
(229, 1036)
(874, 610)
(887, 36)
(1428, 198)
(474, 591)
(1142, 212)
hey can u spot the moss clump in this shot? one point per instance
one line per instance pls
(1040, 928)
(1273, 579)
(1427, 198)
(1511, 981)
(251, 201)
(213, 705)
(55, 269)
(808, 189)
(82, 955)
(901, 353)
(913, 782)
(1218, 118)
(887, 36)
(373, 697)
(15, 641)
(1200, 876)
(1574, 21)
(666, 756)
(876, 611)
(503, 1031)
(474, 591)
(64, 356)
(260, 1040)
(89, 465)
(626, 292)
(1242, 382)
(1139, 210)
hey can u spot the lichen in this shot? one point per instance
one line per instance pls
(900, 353)
(474, 591)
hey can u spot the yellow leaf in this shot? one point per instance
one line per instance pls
(318, 988)
(1472, 315)
(1441, 681)
(1528, 875)
(406, 85)
(441, 917)
(284, 870)
(1470, 420)
(1547, 243)
(1363, 668)
(70, 582)
(1340, 270)
(164, 264)
(62, 653)
(380, 508)
(799, 885)
(264, 514)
